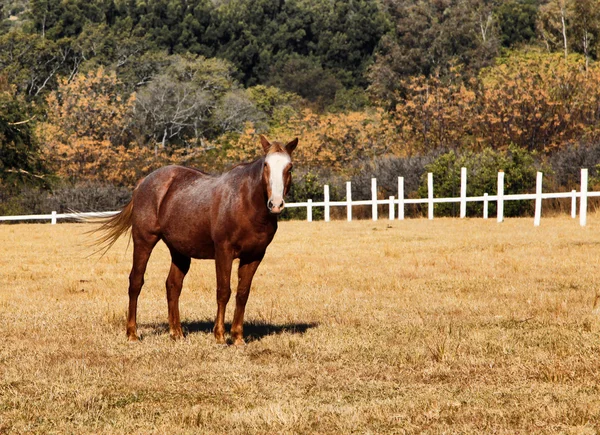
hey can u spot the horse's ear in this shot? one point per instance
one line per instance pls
(265, 144)
(290, 147)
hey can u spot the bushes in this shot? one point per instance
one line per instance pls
(567, 163)
(561, 173)
(309, 186)
(83, 197)
(482, 175)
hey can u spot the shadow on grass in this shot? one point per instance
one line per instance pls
(253, 331)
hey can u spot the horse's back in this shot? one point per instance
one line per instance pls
(175, 203)
(157, 187)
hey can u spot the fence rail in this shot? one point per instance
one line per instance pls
(398, 203)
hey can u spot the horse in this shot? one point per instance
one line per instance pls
(197, 215)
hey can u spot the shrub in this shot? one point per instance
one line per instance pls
(83, 197)
(482, 174)
(567, 162)
(309, 186)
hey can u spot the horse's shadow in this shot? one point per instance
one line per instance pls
(253, 331)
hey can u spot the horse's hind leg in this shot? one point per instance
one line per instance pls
(179, 267)
(142, 248)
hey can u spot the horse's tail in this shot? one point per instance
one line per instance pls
(112, 227)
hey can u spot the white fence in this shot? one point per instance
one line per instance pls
(400, 202)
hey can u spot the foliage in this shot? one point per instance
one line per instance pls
(20, 160)
(305, 187)
(566, 164)
(64, 198)
(429, 38)
(532, 99)
(113, 88)
(482, 175)
(539, 101)
(85, 134)
(517, 21)
(332, 140)
(435, 114)
(387, 169)
(571, 25)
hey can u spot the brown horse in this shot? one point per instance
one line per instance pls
(224, 217)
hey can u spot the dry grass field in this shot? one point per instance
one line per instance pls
(444, 326)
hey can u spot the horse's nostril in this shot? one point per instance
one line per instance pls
(270, 204)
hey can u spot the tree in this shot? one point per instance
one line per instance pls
(553, 20)
(86, 136)
(306, 77)
(20, 160)
(435, 113)
(431, 38)
(177, 106)
(516, 21)
(33, 63)
(538, 101)
(586, 28)
(234, 110)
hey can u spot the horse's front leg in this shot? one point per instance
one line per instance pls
(245, 274)
(223, 263)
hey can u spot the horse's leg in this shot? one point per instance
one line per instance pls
(245, 274)
(179, 267)
(223, 263)
(142, 248)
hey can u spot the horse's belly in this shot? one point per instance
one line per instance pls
(191, 242)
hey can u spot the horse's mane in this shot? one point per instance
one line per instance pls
(237, 165)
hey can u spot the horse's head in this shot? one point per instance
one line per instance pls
(277, 172)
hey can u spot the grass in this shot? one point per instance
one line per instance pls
(444, 326)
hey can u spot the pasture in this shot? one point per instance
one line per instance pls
(444, 326)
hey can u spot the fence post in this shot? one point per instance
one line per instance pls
(463, 192)
(583, 200)
(349, 200)
(400, 198)
(573, 203)
(53, 221)
(538, 200)
(485, 205)
(500, 206)
(326, 195)
(430, 195)
(309, 211)
(374, 198)
(392, 214)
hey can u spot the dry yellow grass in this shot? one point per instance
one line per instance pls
(449, 326)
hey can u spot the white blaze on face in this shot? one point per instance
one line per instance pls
(277, 163)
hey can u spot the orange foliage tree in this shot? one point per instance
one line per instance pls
(435, 113)
(538, 101)
(330, 140)
(85, 134)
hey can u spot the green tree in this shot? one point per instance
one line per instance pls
(33, 63)
(431, 38)
(20, 160)
(516, 21)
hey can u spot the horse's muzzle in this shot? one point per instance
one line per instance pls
(275, 207)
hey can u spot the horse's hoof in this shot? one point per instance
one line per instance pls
(132, 338)
(177, 336)
(239, 342)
